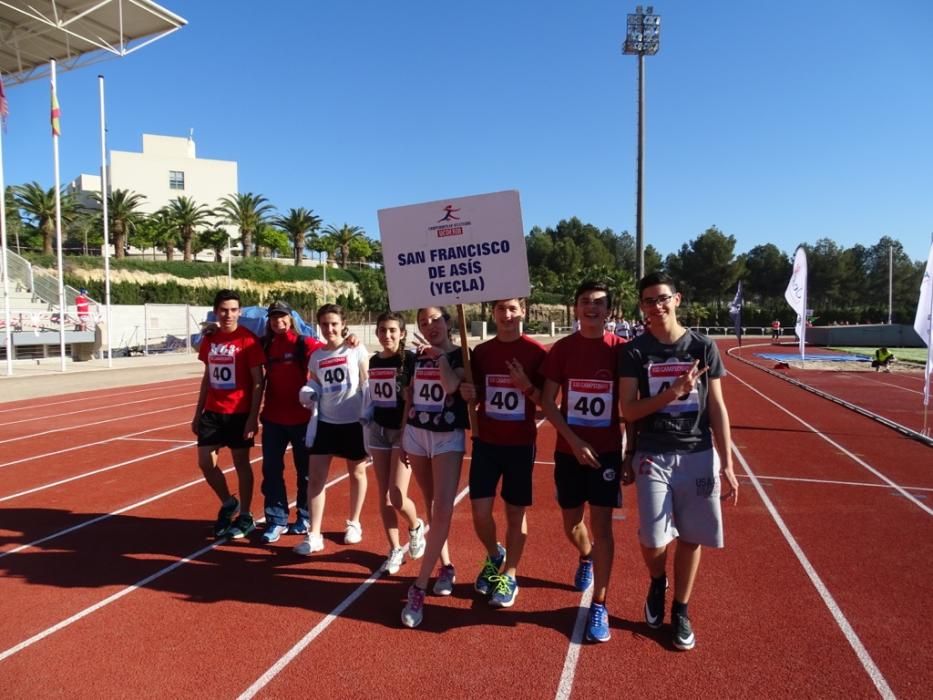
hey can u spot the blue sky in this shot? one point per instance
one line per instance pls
(779, 122)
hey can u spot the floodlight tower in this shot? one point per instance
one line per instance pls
(642, 38)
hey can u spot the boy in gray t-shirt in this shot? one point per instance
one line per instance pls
(669, 388)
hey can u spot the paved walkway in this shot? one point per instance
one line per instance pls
(37, 378)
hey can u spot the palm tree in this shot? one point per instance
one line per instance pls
(247, 212)
(298, 223)
(39, 206)
(342, 238)
(158, 231)
(124, 214)
(187, 215)
(14, 222)
(215, 239)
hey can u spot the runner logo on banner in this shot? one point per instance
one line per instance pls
(454, 251)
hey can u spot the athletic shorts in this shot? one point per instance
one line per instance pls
(379, 438)
(678, 497)
(339, 439)
(428, 443)
(578, 483)
(512, 463)
(223, 430)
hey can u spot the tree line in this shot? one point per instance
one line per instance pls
(845, 284)
(183, 224)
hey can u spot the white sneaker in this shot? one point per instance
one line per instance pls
(394, 561)
(416, 543)
(353, 534)
(413, 612)
(313, 542)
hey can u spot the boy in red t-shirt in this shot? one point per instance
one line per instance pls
(227, 414)
(506, 387)
(583, 367)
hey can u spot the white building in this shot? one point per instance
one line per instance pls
(167, 168)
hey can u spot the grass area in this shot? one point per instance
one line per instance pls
(905, 354)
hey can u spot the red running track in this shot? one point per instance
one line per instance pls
(820, 591)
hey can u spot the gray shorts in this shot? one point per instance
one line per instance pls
(379, 438)
(678, 497)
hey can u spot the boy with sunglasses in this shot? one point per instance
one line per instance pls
(669, 388)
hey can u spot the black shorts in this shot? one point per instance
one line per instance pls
(223, 430)
(339, 439)
(513, 463)
(578, 484)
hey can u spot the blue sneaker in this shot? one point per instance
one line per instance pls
(273, 533)
(299, 527)
(504, 592)
(490, 569)
(584, 576)
(597, 624)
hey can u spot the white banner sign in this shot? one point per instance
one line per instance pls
(923, 323)
(454, 251)
(796, 295)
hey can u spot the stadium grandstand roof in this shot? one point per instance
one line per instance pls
(75, 33)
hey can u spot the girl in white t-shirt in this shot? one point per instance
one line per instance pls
(336, 374)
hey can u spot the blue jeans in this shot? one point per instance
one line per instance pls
(275, 439)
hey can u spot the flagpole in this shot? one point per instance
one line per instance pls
(58, 228)
(8, 332)
(104, 204)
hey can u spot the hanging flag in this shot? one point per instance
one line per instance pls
(735, 311)
(4, 105)
(56, 115)
(923, 323)
(796, 295)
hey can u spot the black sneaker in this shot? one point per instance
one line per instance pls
(684, 638)
(242, 526)
(225, 518)
(654, 603)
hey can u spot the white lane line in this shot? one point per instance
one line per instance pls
(895, 386)
(138, 439)
(319, 628)
(142, 583)
(91, 444)
(94, 472)
(99, 408)
(926, 509)
(84, 399)
(107, 516)
(860, 651)
(833, 482)
(89, 425)
(573, 649)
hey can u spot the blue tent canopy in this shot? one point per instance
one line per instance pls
(254, 318)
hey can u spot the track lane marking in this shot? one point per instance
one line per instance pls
(90, 425)
(91, 444)
(94, 472)
(100, 408)
(834, 482)
(97, 394)
(142, 583)
(881, 685)
(900, 489)
(565, 686)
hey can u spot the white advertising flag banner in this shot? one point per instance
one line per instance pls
(796, 295)
(454, 251)
(923, 323)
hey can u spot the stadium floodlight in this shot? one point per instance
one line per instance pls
(642, 38)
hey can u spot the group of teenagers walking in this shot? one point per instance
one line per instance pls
(406, 407)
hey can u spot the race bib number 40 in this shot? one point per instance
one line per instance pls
(503, 399)
(589, 403)
(382, 387)
(429, 391)
(660, 377)
(334, 375)
(222, 371)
